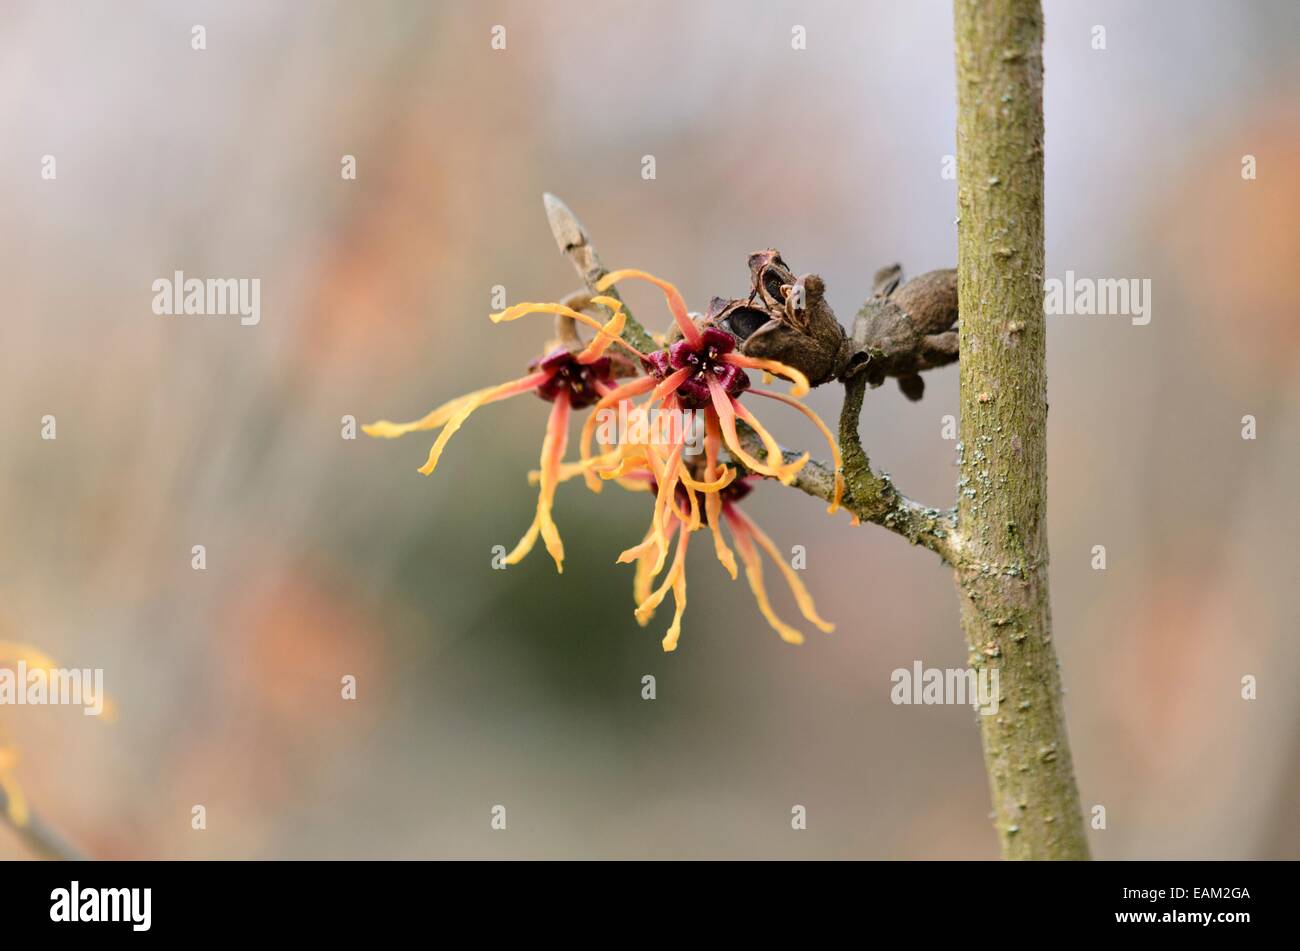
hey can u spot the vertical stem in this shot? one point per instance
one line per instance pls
(1002, 502)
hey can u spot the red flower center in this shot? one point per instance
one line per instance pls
(583, 381)
(704, 360)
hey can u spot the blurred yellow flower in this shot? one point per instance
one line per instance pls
(694, 375)
(15, 805)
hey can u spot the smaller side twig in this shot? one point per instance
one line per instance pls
(574, 244)
(871, 497)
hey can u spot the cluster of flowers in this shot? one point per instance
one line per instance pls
(696, 368)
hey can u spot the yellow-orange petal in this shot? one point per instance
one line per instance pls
(533, 307)
(646, 609)
(831, 441)
(386, 429)
(622, 468)
(713, 501)
(607, 334)
(669, 642)
(642, 579)
(525, 544)
(712, 485)
(775, 458)
(659, 538)
(798, 382)
(481, 398)
(633, 484)
(724, 410)
(615, 396)
(692, 518)
(754, 574)
(570, 469)
(669, 383)
(553, 446)
(674, 298)
(724, 554)
(801, 595)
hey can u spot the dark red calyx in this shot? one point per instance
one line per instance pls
(583, 381)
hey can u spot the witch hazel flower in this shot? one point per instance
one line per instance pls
(699, 371)
(702, 370)
(563, 378)
(749, 540)
(747, 535)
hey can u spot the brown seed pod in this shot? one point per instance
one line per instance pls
(902, 330)
(910, 328)
(787, 319)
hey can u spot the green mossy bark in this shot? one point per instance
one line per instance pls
(1001, 565)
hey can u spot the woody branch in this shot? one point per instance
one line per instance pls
(870, 496)
(1002, 569)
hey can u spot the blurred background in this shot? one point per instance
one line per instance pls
(329, 557)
